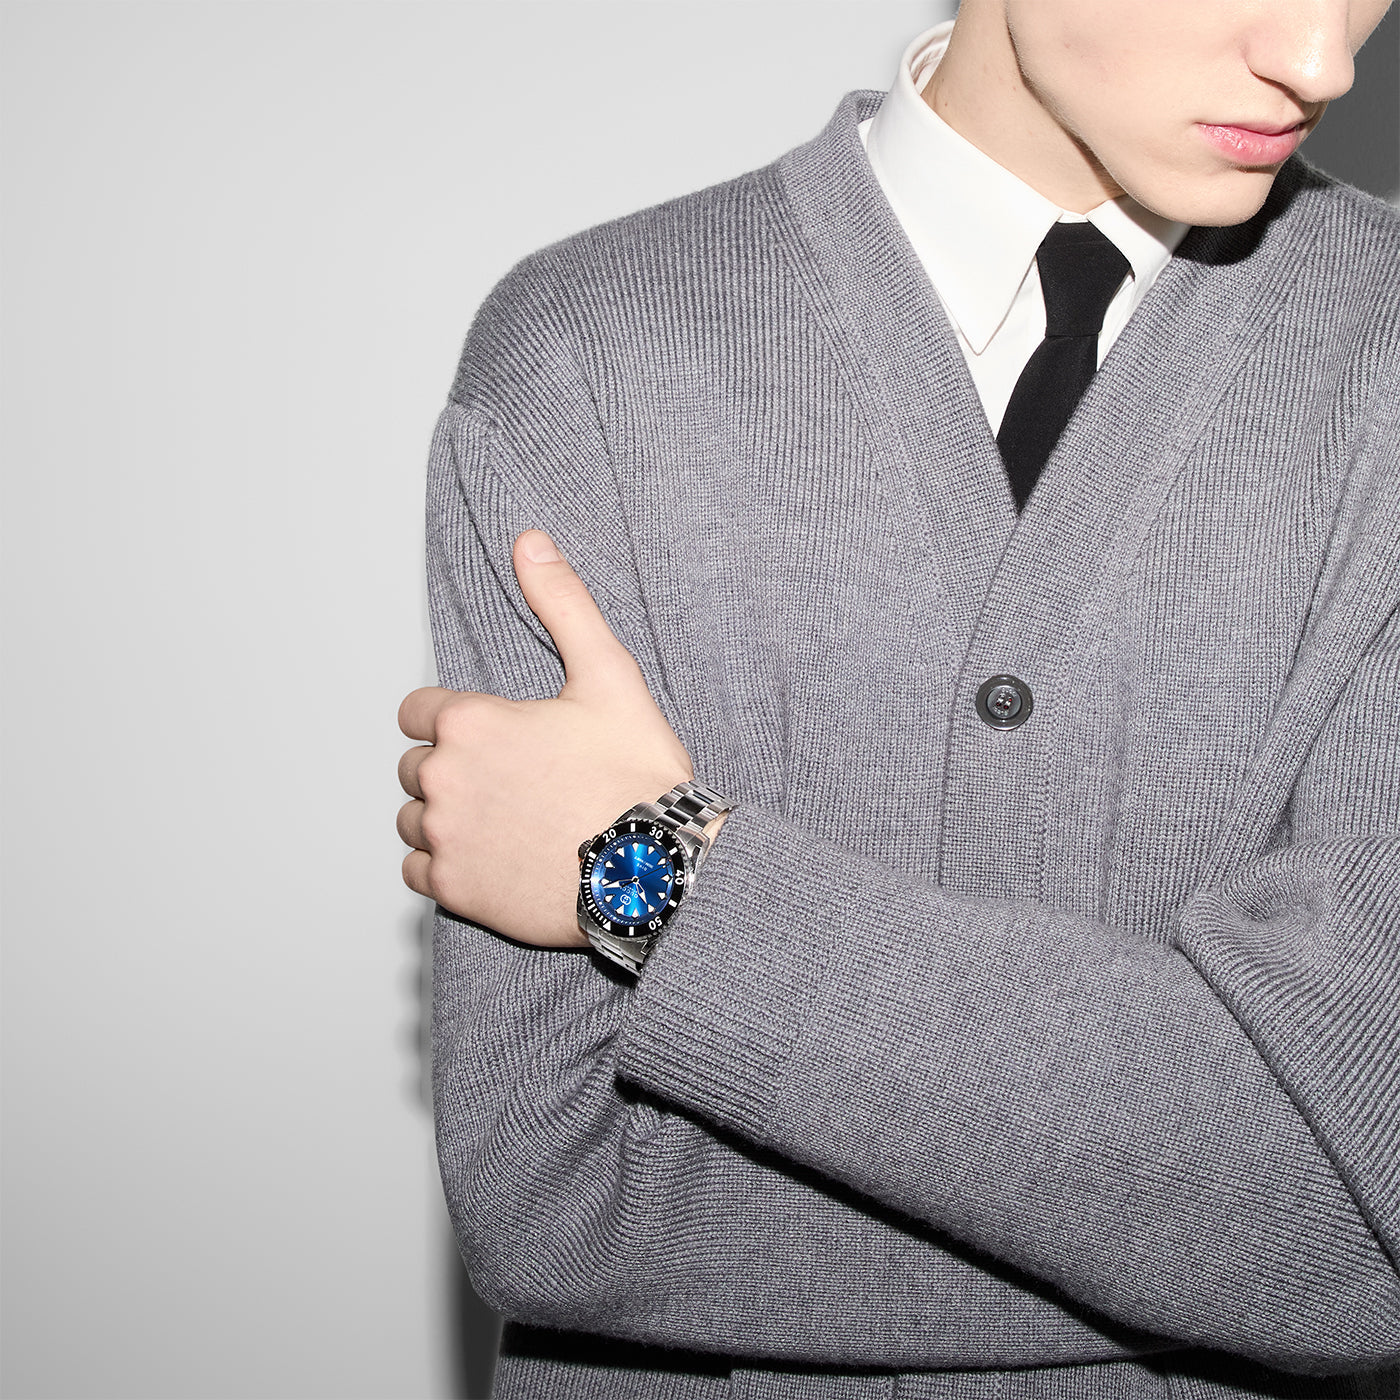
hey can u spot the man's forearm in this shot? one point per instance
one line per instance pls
(1071, 1099)
(581, 1206)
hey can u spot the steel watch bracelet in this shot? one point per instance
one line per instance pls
(692, 804)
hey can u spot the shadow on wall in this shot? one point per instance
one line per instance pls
(473, 1330)
(477, 1334)
(1358, 140)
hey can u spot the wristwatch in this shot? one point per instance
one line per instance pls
(635, 875)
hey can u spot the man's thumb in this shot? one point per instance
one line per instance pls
(591, 654)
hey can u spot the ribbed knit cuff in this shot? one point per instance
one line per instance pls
(715, 1019)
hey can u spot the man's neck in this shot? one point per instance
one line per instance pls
(978, 89)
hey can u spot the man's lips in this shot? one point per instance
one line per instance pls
(1266, 128)
(1258, 143)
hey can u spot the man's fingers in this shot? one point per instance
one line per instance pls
(557, 596)
(409, 765)
(410, 825)
(420, 709)
(415, 872)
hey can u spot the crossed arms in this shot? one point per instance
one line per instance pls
(999, 1134)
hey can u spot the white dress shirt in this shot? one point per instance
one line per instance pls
(976, 227)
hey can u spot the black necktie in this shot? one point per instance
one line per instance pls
(1080, 270)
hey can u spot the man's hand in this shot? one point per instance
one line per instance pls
(505, 791)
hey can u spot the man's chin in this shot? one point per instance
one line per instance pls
(1217, 200)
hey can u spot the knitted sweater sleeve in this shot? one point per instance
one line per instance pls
(579, 1204)
(1200, 1139)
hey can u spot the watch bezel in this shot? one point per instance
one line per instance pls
(668, 838)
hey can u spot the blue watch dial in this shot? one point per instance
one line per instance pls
(633, 880)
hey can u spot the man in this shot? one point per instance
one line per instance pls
(1011, 1011)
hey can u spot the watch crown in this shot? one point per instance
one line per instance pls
(583, 850)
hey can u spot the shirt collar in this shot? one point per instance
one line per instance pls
(975, 225)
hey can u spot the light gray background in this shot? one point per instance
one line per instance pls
(241, 243)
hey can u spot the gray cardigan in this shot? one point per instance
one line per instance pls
(1051, 1061)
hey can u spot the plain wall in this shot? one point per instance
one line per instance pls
(242, 243)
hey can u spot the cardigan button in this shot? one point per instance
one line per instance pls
(1004, 702)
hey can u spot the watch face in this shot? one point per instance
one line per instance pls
(634, 874)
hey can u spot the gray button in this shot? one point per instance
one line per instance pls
(1004, 701)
